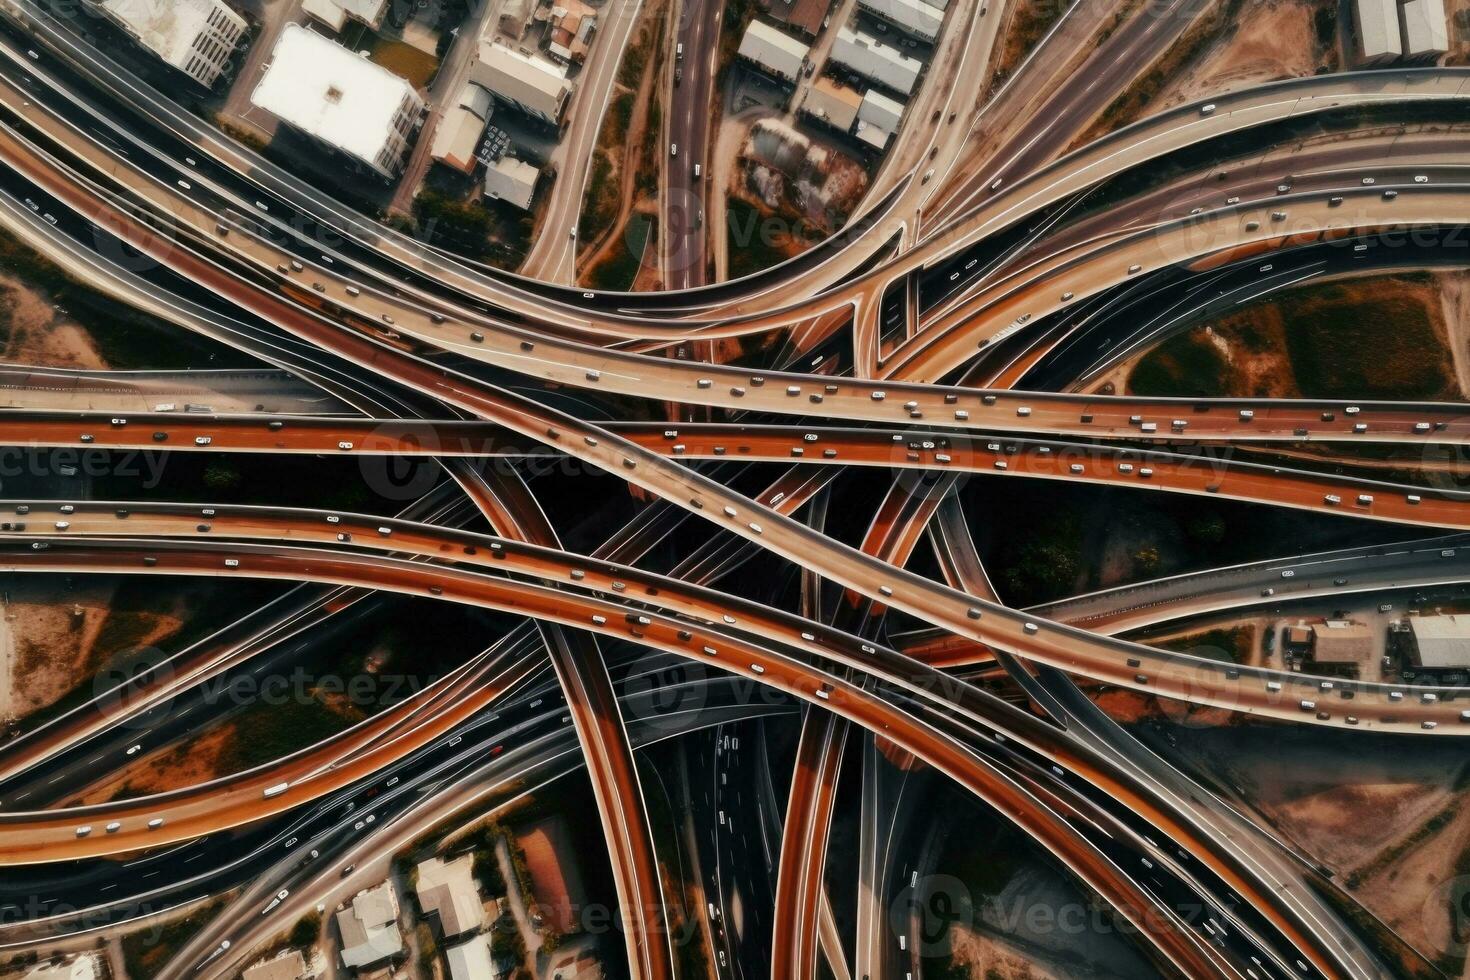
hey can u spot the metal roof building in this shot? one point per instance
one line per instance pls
(340, 98)
(772, 51)
(1424, 26)
(535, 86)
(1441, 642)
(911, 16)
(834, 104)
(867, 56)
(879, 110)
(197, 37)
(1377, 24)
(512, 181)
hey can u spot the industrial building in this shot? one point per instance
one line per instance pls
(447, 889)
(1376, 23)
(1425, 30)
(460, 129)
(804, 17)
(773, 52)
(369, 927)
(340, 98)
(913, 17)
(867, 56)
(1435, 647)
(336, 13)
(535, 86)
(833, 104)
(878, 118)
(198, 37)
(512, 181)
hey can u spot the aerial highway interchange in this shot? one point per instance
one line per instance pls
(731, 524)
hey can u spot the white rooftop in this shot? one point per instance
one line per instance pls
(338, 96)
(1443, 641)
(777, 52)
(1425, 29)
(166, 27)
(1378, 27)
(509, 179)
(471, 960)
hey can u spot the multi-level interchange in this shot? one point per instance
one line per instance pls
(667, 489)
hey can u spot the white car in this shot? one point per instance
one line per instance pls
(673, 149)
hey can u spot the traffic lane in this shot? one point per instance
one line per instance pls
(669, 380)
(1078, 652)
(44, 837)
(1101, 778)
(1230, 233)
(1300, 489)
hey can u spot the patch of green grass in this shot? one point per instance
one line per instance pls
(1234, 644)
(1185, 365)
(751, 248)
(147, 951)
(1356, 344)
(266, 732)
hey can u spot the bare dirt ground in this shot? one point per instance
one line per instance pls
(190, 764)
(1455, 300)
(1392, 825)
(39, 334)
(1275, 39)
(554, 874)
(56, 631)
(984, 955)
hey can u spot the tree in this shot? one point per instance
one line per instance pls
(220, 476)
(306, 930)
(1147, 559)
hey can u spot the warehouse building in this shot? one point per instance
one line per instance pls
(865, 55)
(340, 98)
(1377, 25)
(535, 86)
(773, 52)
(878, 118)
(197, 37)
(1425, 30)
(910, 16)
(833, 104)
(1438, 647)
